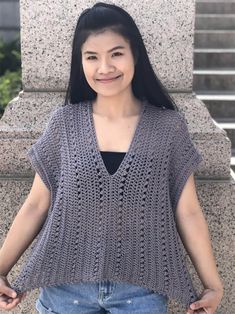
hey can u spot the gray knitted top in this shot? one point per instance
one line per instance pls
(118, 227)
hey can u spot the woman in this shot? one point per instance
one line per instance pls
(116, 161)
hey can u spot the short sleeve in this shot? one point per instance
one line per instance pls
(184, 159)
(44, 154)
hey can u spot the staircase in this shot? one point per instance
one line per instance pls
(9, 19)
(214, 62)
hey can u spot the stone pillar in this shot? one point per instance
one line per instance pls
(168, 31)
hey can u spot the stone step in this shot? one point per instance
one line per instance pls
(217, 7)
(229, 127)
(233, 160)
(211, 58)
(233, 163)
(9, 20)
(215, 21)
(214, 39)
(220, 105)
(214, 79)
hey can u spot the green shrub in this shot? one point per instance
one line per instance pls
(10, 85)
(10, 71)
(10, 56)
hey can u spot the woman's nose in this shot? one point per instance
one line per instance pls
(106, 67)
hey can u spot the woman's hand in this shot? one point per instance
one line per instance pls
(8, 297)
(208, 302)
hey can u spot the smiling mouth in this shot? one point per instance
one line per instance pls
(108, 80)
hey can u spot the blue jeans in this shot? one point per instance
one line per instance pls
(101, 297)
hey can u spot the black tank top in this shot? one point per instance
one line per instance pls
(112, 160)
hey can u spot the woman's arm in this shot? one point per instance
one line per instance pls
(25, 226)
(193, 230)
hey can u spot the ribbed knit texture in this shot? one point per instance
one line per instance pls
(119, 227)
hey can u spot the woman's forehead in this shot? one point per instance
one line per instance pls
(104, 41)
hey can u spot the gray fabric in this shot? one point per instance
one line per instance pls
(119, 227)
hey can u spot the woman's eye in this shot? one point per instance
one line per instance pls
(91, 58)
(114, 54)
(118, 53)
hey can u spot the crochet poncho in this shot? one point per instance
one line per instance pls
(118, 227)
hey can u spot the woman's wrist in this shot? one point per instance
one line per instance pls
(216, 285)
(219, 289)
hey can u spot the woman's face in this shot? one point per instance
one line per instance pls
(108, 63)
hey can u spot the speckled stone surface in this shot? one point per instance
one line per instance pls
(217, 199)
(167, 28)
(47, 27)
(30, 110)
(26, 117)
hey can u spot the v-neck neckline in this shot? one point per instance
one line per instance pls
(131, 146)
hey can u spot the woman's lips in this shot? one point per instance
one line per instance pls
(108, 80)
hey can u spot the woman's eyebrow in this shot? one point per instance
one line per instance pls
(114, 48)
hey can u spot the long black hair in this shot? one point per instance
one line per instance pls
(145, 83)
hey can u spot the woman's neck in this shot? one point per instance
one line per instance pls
(117, 108)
